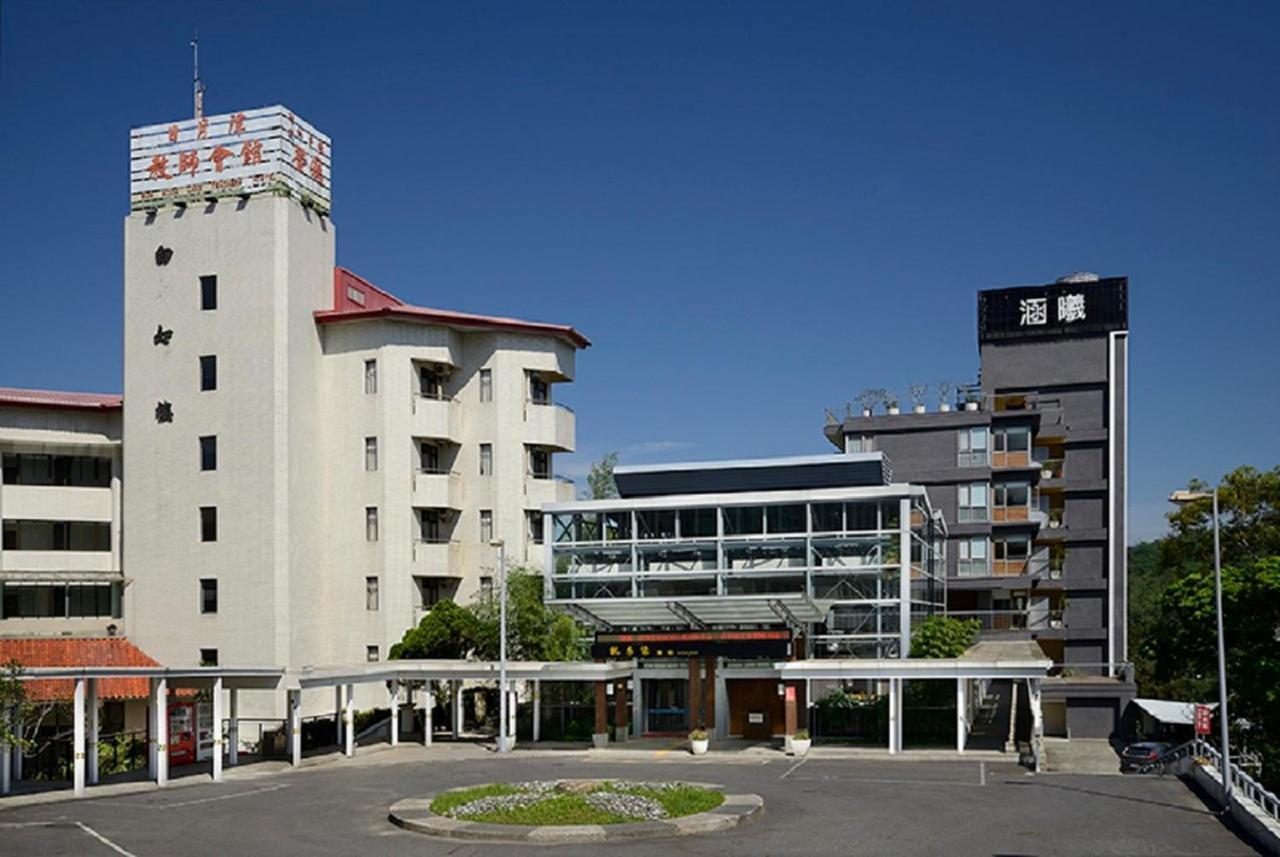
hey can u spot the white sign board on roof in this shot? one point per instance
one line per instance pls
(267, 150)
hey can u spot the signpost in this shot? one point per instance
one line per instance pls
(267, 150)
(1204, 720)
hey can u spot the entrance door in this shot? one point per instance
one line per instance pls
(666, 705)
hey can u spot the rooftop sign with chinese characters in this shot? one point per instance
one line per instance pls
(267, 150)
(1087, 308)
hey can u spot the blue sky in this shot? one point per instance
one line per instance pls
(754, 210)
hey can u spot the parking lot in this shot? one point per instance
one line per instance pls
(818, 806)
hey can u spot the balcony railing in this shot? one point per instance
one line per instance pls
(1013, 620)
(1042, 562)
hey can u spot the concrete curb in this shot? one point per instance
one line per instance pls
(414, 814)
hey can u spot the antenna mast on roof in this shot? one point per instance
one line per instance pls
(196, 84)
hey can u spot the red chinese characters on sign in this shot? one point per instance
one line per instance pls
(202, 129)
(218, 155)
(236, 124)
(173, 133)
(300, 159)
(251, 152)
(159, 168)
(188, 162)
(317, 170)
(1204, 720)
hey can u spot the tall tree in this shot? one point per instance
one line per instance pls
(448, 632)
(534, 632)
(600, 480)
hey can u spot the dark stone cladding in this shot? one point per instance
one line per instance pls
(836, 472)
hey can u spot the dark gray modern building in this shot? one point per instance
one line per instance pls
(1028, 468)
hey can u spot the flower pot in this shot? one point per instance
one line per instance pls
(800, 746)
(1046, 474)
(600, 740)
(944, 408)
(893, 410)
(970, 406)
(866, 412)
(698, 748)
(919, 409)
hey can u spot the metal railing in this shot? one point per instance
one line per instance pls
(1241, 783)
(1099, 670)
(1012, 620)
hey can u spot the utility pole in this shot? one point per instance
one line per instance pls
(197, 85)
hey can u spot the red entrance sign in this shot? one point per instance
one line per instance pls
(1204, 719)
(791, 694)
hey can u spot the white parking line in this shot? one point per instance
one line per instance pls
(982, 773)
(793, 767)
(104, 840)
(210, 799)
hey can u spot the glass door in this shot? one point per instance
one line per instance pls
(666, 705)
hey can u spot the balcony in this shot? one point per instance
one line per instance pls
(550, 425)
(540, 488)
(436, 418)
(436, 558)
(437, 489)
(1013, 620)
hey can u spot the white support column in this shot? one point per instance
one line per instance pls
(92, 749)
(513, 702)
(294, 714)
(637, 703)
(393, 692)
(428, 714)
(337, 715)
(1037, 720)
(962, 724)
(160, 728)
(537, 710)
(349, 721)
(77, 740)
(6, 756)
(893, 715)
(217, 729)
(233, 729)
(456, 690)
(152, 755)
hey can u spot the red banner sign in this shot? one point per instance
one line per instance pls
(1204, 720)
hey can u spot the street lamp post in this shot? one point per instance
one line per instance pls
(1187, 497)
(503, 741)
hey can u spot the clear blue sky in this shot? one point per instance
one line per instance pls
(754, 210)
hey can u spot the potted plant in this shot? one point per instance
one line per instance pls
(698, 742)
(917, 392)
(800, 742)
(945, 389)
(891, 403)
(600, 740)
(868, 399)
(970, 400)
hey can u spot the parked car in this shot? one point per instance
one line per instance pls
(1142, 753)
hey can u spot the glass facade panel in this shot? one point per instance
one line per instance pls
(656, 523)
(743, 521)
(698, 523)
(785, 519)
(827, 517)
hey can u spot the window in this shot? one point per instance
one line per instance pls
(208, 372)
(785, 519)
(371, 653)
(209, 452)
(371, 593)
(371, 523)
(371, 454)
(428, 592)
(23, 468)
(972, 447)
(209, 292)
(56, 535)
(208, 523)
(539, 390)
(539, 463)
(1016, 439)
(55, 600)
(429, 382)
(972, 557)
(1010, 555)
(486, 385)
(429, 457)
(208, 595)
(486, 525)
(429, 526)
(486, 459)
(370, 377)
(208, 657)
(536, 527)
(859, 443)
(971, 501)
(743, 520)
(486, 587)
(698, 523)
(1012, 501)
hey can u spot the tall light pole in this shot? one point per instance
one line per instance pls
(503, 742)
(1188, 497)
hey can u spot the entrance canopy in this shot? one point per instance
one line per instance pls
(243, 678)
(1171, 711)
(1021, 659)
(446, 670)
(701, 611)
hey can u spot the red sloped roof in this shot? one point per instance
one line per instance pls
(78, 652)
(60, 399)
(378, 303)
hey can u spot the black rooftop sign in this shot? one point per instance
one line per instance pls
(1059, 309)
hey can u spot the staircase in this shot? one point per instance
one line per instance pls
(990, 729)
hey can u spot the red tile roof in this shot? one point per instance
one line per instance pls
(59, 399)
(78, 652)
(378, 303)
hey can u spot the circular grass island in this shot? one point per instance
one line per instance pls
(575, 810)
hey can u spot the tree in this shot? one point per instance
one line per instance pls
(448, 631)
(600, 479)
(20, 718)
(943, 637)
(534, 632)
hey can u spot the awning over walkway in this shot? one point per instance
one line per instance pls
(451, 670)
(699, 611)
(1020, 659)
(1170, 711)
